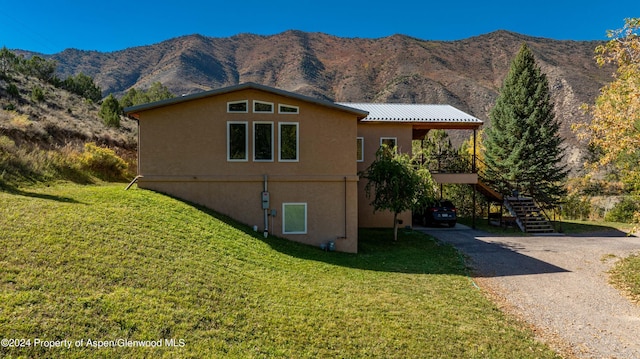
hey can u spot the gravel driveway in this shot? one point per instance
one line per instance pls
(559, 285)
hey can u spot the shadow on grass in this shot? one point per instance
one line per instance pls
(19, 192)
(586, 229)
(414, 252)
(576, 229)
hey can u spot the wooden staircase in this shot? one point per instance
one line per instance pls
(529, 216)
(486, 190)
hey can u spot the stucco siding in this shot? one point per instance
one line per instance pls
(326, 200)
(183, 152)
(191, 138)
(372, 133)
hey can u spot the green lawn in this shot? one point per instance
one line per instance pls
(626, 276)
(99, 263)
(564, 226)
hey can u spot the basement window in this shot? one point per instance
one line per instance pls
(294, 218)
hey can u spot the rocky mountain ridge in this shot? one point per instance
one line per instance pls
(466, 73)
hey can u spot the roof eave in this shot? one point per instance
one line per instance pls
(135, 110)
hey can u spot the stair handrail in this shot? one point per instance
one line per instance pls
(513, 189)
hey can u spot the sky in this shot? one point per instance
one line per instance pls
(51, 26)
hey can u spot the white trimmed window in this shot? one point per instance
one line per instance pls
(391, 142)
(238, 106)
(262, 107)
(360, 149)
(288, 109)
(294, 218)
(288, 142)
(263, 141)
(237, 141)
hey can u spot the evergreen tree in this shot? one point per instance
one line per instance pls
(110, 111)
(156, 92)
(84, 86)
(8, 61)
(523, 146)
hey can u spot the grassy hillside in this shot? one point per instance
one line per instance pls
(100, 263)
(43, 138)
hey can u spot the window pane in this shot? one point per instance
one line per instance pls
(263, 137)
(295, 217)
(262, 107)
(359, 152)
(289, 142)
(237, 106)
(390, 142)
(237, 141)
(288, 109)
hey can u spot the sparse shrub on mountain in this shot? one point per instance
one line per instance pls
(84, 86)
(156, 92)
(37, 94)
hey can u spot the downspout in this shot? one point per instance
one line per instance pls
(138, 176)
(266, 211)
(345, 207)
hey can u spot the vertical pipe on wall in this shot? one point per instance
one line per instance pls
(345, 206)
(266, 211)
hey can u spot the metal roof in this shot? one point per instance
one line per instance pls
(248, 85)
(421, 113)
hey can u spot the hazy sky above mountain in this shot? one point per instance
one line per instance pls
(52, 26)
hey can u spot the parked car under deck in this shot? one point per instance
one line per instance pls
(438, 213)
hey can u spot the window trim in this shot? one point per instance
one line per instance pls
(246, 141)
(246, 102)
(280, 159)
(255, 102)
(284, 216)
(361, 159)
(255, 137)
(280, 105)
(395, 139)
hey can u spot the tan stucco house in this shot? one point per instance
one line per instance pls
(281, 162)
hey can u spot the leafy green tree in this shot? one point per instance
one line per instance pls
(110, 111)
(523, 145)
(397, 184)
(157, 92)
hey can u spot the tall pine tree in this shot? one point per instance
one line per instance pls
(523, 146)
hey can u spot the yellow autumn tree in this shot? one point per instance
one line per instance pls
(615, 127)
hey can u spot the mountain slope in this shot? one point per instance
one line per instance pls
(466, 74)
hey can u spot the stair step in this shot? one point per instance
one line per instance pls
(529, 214)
